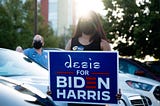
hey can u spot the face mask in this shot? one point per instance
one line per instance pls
(88, 28)
(37, 44)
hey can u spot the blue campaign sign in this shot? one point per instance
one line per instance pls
(84, 76)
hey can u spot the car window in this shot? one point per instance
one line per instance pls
(131, 66)
(127, 67)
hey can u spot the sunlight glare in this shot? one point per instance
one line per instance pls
(83, 6)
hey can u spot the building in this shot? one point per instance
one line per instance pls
(59, 13)
(44, 10)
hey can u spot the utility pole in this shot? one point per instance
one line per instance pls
(35, 18)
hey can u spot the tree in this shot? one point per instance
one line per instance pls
(17, 25)
(133, 26)
(8, 22)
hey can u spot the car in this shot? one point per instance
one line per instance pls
(15, 93)
(17, 66)
(135, 67)
(141, 85)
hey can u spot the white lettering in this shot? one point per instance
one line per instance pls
(79, 79)
(63, 93)
(84, 65)
(61, 82)
(98, 95)
(70, 82)
(71, 94)
(96, 65)
(89, 64)
(91, 95)
(68, 64)
(105, 95)
(82, 72)
(76, 65)
(82, 94)
(101, 82)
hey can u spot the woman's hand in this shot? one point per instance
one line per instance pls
(118, 96)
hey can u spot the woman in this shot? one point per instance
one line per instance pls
(89, 35)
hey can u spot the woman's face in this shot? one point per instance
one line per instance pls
(87, 26)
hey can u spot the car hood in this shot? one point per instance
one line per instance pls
(7, 99)
(33, 89)
(41, 83)
(26, 93)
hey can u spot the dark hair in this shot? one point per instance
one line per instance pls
(93, 23)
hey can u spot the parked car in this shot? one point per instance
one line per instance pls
(18, 94)
(17, 66)
(132, 66)
(144, 86)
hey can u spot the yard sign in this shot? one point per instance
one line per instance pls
(84, 76)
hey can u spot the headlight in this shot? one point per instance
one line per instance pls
(139, 85)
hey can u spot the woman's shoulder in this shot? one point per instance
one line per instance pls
(105, 46)
(104, 42)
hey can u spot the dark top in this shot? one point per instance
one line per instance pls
(77, 46)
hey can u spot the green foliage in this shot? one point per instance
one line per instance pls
(138, 26)
(17, 25)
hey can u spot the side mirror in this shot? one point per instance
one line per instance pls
(139, 73)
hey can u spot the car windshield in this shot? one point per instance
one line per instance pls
(152, 73)
(131, 66)
(13, 63)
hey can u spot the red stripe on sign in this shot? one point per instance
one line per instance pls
(90, 78)
(100, 73)
(91, 87)
(90, 82)
(65, 72)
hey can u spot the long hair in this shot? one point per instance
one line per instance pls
(94, 18)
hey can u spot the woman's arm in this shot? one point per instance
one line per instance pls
(105, 45)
